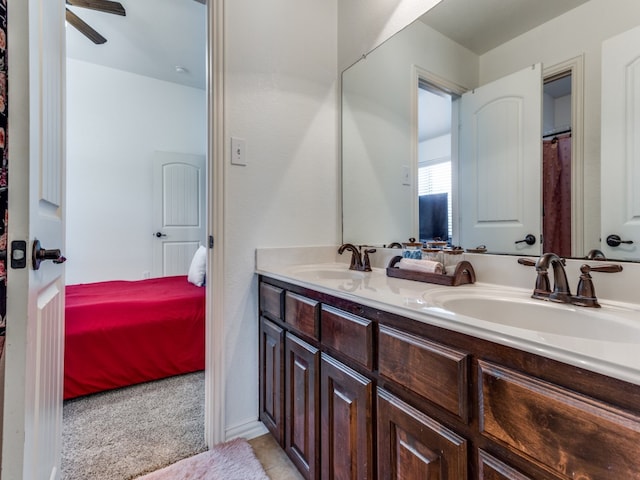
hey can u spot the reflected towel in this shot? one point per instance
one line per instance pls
(427, 266)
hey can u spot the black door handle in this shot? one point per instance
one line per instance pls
(40, 254)
(529, 240)
(160, 234)
(615, 241)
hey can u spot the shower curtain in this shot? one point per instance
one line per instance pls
(556, 195)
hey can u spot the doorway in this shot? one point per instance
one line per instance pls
(557, 164)
(435, 108)
(117, 120)
(435, 113)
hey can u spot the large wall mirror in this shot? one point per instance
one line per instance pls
(481, 123)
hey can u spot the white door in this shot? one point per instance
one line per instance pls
(500, 163)
(35, 311)
(179, 201)
(620, 154)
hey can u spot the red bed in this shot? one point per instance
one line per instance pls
(121, 333)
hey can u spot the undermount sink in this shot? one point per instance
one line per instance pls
(610, 323)
(331, 271)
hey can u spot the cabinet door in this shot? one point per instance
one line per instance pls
(345, 404)
(272, 378)
(301, 405)
(412, 445)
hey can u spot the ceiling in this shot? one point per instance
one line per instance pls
(481, 25)
(154, 38)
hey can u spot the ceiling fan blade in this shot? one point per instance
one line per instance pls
(84, 28)
(106, 6)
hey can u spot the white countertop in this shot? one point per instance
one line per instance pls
(619, 358)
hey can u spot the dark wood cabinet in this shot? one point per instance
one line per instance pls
(271, 351)
(411, 445)
(346, 422)
(353, 392)
(301, 404)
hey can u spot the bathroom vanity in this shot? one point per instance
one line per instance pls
(362, 377)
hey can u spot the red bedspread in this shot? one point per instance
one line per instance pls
(120, 333)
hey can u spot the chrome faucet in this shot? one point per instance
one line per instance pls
(358, 262)
(585, 295)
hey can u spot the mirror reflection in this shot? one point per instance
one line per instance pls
(419, 162)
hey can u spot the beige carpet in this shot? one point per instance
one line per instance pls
(233, 460)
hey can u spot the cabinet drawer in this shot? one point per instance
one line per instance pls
(563, 431)
(271, 301)
(348, 334)
(436, 372)
(490, 468)
(302, 314)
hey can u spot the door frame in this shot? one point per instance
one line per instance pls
(215, 371)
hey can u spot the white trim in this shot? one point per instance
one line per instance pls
(251, 429)
(215, 374)
(418, 73)
(575, 66)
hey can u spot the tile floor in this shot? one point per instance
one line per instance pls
(274, 461)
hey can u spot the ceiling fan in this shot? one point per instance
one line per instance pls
(106, 6)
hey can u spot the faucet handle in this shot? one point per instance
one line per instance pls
(366, 263)
(527, 262)
(586, 292)
(602, 268)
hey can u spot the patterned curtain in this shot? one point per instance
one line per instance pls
(556, 195)
(4, 168)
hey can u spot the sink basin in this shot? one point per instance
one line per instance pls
(613, 324)
(332, 271)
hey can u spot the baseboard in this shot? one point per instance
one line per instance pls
(248, 430)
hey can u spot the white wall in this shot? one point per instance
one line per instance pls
(578, 32)
(281, 84)
(377, 119)
(365, 24)
(115, 121)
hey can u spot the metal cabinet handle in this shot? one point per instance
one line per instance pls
(615, 241)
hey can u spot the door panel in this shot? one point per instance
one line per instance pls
(500, 163)
(179, 210)
(620, 172)
(35, 311)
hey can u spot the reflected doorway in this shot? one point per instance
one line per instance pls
(435, 194)
(557, 165)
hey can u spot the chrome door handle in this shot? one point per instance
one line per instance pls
(39, 254)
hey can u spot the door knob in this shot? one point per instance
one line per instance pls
(160, 234)
(529, 240)
(39, 254)
(615, 241)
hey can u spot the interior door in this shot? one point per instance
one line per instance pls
(500, 163)
(620, 157)
(179, 211)
(32, 429)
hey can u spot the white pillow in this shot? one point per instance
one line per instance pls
(198, 267)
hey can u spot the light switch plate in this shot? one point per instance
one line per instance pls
(405, 175)
(238, 151)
